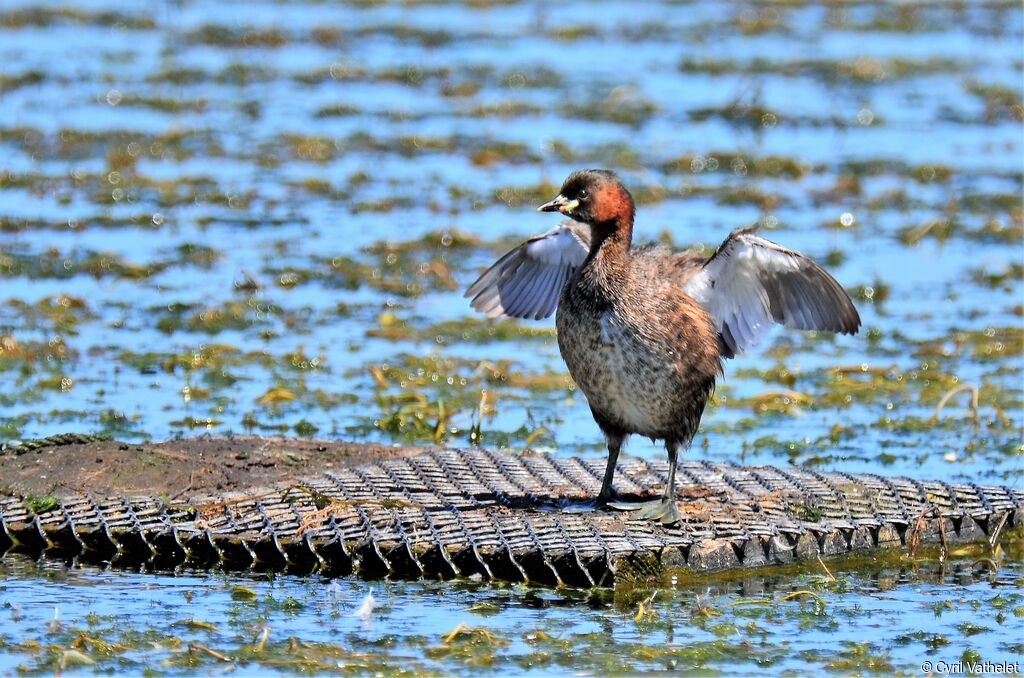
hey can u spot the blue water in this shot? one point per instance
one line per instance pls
(895, 616)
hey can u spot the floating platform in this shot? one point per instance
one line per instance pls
(448, 513)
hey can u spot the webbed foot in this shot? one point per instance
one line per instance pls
(663, 510)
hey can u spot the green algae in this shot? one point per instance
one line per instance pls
(860, 71)
(622, 105)
(58, 315)
(165, 104)
(236, 314)
(462, 331)
(406, 269)
(321, 149)
(743, 164)
(1002, 279)
(217, 34)
(755, 115)
(53, 263)
(10, 82)
(41, 503)
(1001, 102)
(432, 398)
(337, 111)
(49, 16)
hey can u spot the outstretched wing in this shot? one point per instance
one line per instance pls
(750, 282)
(527, 281)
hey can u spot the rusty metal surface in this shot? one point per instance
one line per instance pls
(452, 513)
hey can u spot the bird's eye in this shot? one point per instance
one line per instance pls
(582, 195)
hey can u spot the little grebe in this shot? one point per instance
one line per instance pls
(644, 330)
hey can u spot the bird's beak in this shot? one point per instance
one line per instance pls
(559, 204)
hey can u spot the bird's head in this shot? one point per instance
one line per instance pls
(593, 196)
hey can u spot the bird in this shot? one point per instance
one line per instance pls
(644, 330)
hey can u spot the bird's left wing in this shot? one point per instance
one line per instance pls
(750, 282)
(527, 281)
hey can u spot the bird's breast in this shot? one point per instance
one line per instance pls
(625, 377)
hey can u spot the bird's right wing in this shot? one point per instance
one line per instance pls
(527, 281)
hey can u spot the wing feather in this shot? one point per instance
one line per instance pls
(546, 287)
(509, 261)
(750, 282)
(526, 294)
(511, 297)
(554, 292)
(527, 281)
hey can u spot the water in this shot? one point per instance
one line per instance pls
(876, 617)
(259, 217)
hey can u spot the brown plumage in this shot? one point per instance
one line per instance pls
(644, 330)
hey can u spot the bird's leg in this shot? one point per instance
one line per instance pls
(607, 494)
(663, 510)
(671, 512)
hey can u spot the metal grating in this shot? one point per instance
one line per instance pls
(452, 513)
